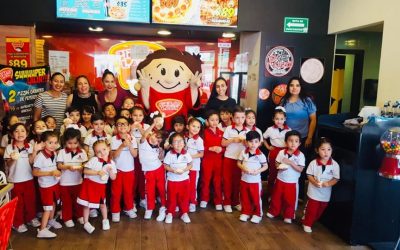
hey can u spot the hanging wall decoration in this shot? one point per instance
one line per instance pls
(279, 61)
(312, 70)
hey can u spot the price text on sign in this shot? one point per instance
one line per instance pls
(226, 12)
(23, 63)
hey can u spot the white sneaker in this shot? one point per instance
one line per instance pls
(177, 209)
(256, 219)
(168, 218)
(143, 203)
(21, 229)
(55, 224)
(106, 224)
(218, 207)
(287, 220)
(69, 223)
(161, 214)
(192, 207)
(93, 213)
(228, 208)
(270, 216)
(45, 233)
(244, 217)
(131, 214)
(307, 229)
(238, 207)
(88, 227)
(134, 208)
(115, 217)
(148, 214)
(80, 220)
(34, 222)
(185, 218)
(203, 204)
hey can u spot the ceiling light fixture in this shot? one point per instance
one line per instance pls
(104, 39)
(47, 36)
(96, 29)
(228, 35)
(164, 32)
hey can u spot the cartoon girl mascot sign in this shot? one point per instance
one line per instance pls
(169, 82)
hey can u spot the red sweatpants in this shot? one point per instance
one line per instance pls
(155, 181)
(122, 186)
(250, 198)
(231, 175)
(69, 207)
(313, 211)
(194, 179)
(272, 171)
(178, 194)
(283, 198)
(26, 209)
(212, 169)
(139, 186)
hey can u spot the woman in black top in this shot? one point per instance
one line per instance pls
(219, 97)
(82, 95)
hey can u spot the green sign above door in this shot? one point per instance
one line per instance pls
(295, 25)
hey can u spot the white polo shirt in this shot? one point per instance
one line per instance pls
(322, 173)
(252, 162)
(22, 170)
(177, 161)
(68, 177)
(109, 129)
(125, 160)
(290, 175)
(91, 138)
(195, 145)
(99, 164)
(4, 141)
(233, 150)
(149, 156)
(136, 132)
(276, 135)
(46, 162)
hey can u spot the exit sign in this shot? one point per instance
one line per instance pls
(295, 25)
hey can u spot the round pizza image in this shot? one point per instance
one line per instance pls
(171, 11)
(117, 12)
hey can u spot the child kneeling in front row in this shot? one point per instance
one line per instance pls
(323, 173)
(93, 192)
(290, 163)
(252, 162)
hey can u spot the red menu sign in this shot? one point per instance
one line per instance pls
(18, 52)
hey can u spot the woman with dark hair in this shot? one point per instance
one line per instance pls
(300, 111)
(82, 96)
(52, 102)
(219, 97)
(111, 92)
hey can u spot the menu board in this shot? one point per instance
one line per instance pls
(105, 10)
(196, 12)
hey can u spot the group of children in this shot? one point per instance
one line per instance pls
(105, 156)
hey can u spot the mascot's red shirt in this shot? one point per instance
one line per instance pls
(170, 104)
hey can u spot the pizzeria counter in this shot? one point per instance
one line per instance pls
(364, 208)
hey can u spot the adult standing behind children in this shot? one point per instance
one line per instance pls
(111, 92)
(82, 96)
(52, 102)
(218, 97)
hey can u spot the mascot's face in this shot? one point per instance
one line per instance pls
(168, 75)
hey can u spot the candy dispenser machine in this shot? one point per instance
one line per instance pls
(390, 142)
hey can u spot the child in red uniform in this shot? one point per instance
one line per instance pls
(212, 162)
(178, 162)
(275, 141)
(70, 161)
(19, 172)
(93, 191)
(323, 173)
(45, 168)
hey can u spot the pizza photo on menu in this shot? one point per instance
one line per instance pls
(172, 11)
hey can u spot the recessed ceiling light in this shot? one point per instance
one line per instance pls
(164, 32)
(228, 35)
(96, 29)
(47, 36)
(104, 39)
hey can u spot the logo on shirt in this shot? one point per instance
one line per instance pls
(169, 106)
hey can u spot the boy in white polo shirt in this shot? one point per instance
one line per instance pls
(124, 150)
(234, 140)
(323, 173)
(290, 162)
(178, 162)
(252, 162)
(96, 134)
